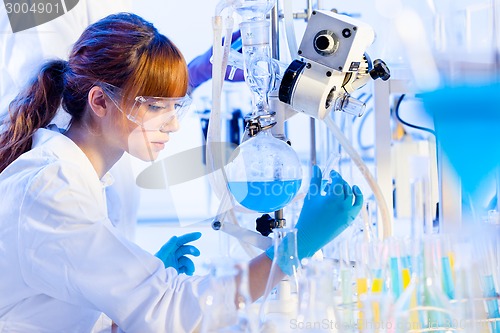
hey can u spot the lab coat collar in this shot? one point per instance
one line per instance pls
(107, 180)
(64, 148)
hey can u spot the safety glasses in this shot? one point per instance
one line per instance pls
(151, 113)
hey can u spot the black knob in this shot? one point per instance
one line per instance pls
(216, 225)
(380, 70)
(290, 77)
(264, 224)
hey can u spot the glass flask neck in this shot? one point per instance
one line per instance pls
(259, 124)
(280, 300)
(251, 10)
(285, 250)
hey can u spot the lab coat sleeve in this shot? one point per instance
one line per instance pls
(70, 251)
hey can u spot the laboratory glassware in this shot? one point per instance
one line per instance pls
(279, 304)
(221, 313)
(264, 173)
(423, 305)
(317, 307)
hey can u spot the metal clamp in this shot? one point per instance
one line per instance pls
(255, 124)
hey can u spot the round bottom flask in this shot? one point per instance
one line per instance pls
(264, 173)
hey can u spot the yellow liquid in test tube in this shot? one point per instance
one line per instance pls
(376, 289)
(362, 288)
(405, 273)
(406, 277)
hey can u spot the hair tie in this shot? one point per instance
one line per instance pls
(66, 67)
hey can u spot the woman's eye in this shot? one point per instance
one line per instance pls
(156, 108)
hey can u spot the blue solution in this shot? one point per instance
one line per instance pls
(492, 305)
(265, 197)
(396, 283)
(406, 263)
(448, 285)
(467, 128)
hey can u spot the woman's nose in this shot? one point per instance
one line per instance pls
(170, 126)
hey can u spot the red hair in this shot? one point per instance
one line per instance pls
(121, 49)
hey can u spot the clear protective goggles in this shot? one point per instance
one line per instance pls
(150, 113)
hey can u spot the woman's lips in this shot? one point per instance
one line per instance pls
(158, 145)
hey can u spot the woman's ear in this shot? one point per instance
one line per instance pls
(98, 102)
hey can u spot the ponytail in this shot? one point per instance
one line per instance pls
(32, 109)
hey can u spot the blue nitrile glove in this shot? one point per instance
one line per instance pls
(324, 217)
(200, 68)
(173, 253)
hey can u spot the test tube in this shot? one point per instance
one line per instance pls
(394, 267)
(436, 303)
(346, 280)
(376, 261)
(421, 219)
(488, 281)
(447, 259)
(468, 304)
(498, 195)
(362, 260)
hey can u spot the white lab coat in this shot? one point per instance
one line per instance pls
(63, 262)
(21, 55)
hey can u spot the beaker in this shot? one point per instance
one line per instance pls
(264, 173)
(317, 308)
(228, 302)
(220, 309)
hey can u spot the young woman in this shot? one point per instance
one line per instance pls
(62, 260)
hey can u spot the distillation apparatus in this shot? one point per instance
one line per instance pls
(330, 64)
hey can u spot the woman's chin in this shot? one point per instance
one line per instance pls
(150, 156)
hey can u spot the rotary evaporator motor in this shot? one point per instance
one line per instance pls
(333, 65)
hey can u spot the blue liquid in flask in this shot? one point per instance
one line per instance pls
(265, 196)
